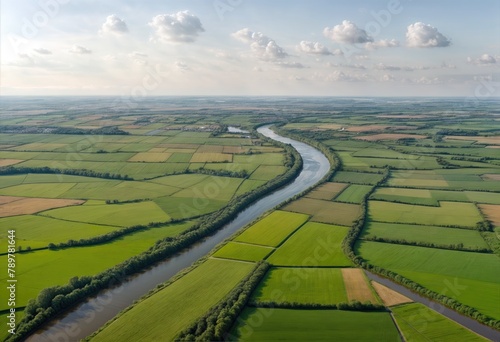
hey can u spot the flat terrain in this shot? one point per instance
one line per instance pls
(325, 211)
(357, 286)
(389, 297)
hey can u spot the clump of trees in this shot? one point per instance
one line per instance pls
(457, 247)
(216, 323)
(353, 305)
(12, 170)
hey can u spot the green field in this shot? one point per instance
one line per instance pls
(327, 191)
(243, 251)
(342, 214)
(442, 270)
(447, 214)
(357, 177)
(419, 323)
(272, 229)
(259, 324)
(124, 215)
(353, 194)
(37, 270)
(425, 234)
(177, 305)
(302, 285)
(314, 244)
(440, 180)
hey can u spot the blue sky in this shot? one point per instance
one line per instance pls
(244, 47)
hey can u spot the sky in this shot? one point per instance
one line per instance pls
(134, 48)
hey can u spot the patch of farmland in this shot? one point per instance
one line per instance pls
(492, 213)
(267, 172)
(391, 136)
(178, 304)
(180, 181)
(212, 187)
(210, 149)
(327, 191)
(24, 206)
(243, 251)
(302, 285)
(149, 157)
(48, 190)
(215, 157)
(355, 193)
(124, 215)
(325, 211)
(383, 153)
(180, 157)
(357, 286)
(272, 229)
(185, 207)
(357, 177)
(7, 162)
(248, 185)
(314, 244)
(447, 214)
(419, 323)
(426, 234)
(389, 297)
(314, 325)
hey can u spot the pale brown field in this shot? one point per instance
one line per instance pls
(491, 176)
(482, 140)
(342, 214)
(366, 128)
(9, 199)
(233, 149)
(7, 162)
(492, 212)
(356, 285)
(390, 136)
(26, 206)
(388, 296)
(327, 191)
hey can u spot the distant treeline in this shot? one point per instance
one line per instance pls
(15, 129)
(217, 322)
(456, 247)
(353, 305)
(52, 301)
(13, 170)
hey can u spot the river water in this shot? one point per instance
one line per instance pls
(88, 317)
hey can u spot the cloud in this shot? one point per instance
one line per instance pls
(181, 66)
(387, 78)
(80, 50)
(313, 48)
(340, 76)
(347, 33)
(43, 51)
(262, 46)
(114, 25)
(484, 59)
(384, 43)
(292, 65)
(180, 27)
(382, 66)
(422, 35)
(350, 66)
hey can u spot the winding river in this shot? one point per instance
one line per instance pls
(95, 312)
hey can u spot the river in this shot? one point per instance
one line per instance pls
(89, 316)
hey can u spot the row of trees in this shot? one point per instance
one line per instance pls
(108, 130)
(217, 322)
(221, 173)
(39, 312)
(353, 305)
(11, 170)
(457, 247)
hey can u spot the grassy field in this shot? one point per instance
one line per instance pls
(178, 305)
(272, 229)
(267, 172)
(357, 286)
(258, 324)
(353, 194)
(443, 271)
(325, 211)
(447, 214)
(37, 270)
(357, 177)
(302, 285)
(425, 234)
(419, 323)
(327, 191)
(314, 244)
(243, 251)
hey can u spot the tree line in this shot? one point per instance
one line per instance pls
(353, 305)
(12, 170)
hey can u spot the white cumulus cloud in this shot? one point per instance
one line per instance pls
(114, 25)
(347, 33)
(43, 51)
(384, 43)
(485, 59)
(313, 48)
(262, 46)
(422, 35)
(80, 50)
(177, 27)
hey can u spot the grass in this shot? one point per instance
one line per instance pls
(48, 190)
(149, 157)
(124, 215)
(37, 270)
(214, 157)
(163, 315)
(425, 234)
(185, 207)
(302, 285)
(243, 251)
(419, 323)
(471, 278)
(327, 191)
(357, 177)
(314, 244)
(212, 187)
(267, 172)
(325, 211)
(259, 324)
(38, 231)
(272, 229)
(448, 214)
(355, 193)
